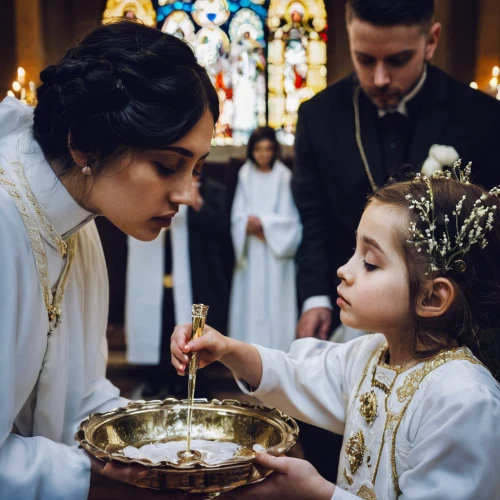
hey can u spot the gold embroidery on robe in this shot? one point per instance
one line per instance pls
(347, 477)
(356, 450)
(412, 381)
(369, 405)
(366, 493)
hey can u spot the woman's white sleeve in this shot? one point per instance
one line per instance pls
(35, 467)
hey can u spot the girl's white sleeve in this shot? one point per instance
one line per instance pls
(313, 381)
(283, 229)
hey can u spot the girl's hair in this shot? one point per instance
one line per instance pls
(259, 134)
(473, 319)
(124, 87)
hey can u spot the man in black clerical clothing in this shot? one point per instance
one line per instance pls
(350, 136)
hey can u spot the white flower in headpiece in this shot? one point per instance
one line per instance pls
(439, 157)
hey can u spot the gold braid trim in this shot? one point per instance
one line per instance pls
(52, 302)
(55, 238)
(366, 493)
(34, 236)
(412, 381)
(378, 351)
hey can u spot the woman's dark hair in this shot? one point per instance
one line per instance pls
(124, 87)
(391, 12)
(259, 134)
(474, 318)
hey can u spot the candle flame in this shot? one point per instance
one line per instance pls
(16, 86)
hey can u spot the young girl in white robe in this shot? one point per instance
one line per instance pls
(266, 232)
(418, 403)
(122, 126)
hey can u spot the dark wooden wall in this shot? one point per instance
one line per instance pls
(8, 53)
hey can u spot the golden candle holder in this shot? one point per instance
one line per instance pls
(105, 435)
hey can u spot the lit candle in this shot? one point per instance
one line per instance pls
(474, 85)
(496, 71)
(10, 93)
(16, 86)
(23, 95)
(20, 75)
(494, 83)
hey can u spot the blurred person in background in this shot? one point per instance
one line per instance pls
(266, 232)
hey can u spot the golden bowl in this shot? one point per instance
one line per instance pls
(104, 435)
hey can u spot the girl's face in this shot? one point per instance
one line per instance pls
(374, 292)
(140, 193)
(263, 152)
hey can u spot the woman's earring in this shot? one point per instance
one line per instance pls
(86, 170)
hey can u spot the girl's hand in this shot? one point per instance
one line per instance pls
(292, 479)
(211, 346)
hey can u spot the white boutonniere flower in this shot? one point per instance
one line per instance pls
(439, 157)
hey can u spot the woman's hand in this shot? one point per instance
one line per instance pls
(211, 346)
(292, 479)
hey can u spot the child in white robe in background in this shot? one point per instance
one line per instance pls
(418, 404)
(123, 124)
(266, 231)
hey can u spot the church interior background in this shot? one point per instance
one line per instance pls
(265, 57)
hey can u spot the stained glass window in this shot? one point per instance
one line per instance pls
(296, 60)
(265, 57)
(229, 39)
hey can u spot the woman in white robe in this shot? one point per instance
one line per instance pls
(59, 168)
(266, 231)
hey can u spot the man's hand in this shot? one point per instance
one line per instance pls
(292, 479)
(315, 323)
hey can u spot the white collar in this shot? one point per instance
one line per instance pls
(402, 108)
(61, 210)
(18, 144)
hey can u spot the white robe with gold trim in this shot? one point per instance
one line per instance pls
(48, 385)
(435, 437)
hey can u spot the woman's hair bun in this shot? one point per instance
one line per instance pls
(124, 85)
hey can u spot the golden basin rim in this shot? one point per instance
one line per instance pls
(286, 423)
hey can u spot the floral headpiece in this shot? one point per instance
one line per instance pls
(446, 252)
